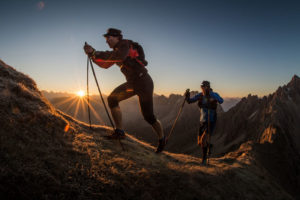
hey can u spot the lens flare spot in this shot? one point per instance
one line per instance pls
(40, 5)
(67, 128)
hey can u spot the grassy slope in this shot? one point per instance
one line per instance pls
(138, 172)
(83, 165)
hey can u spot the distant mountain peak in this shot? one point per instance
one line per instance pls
(295, 77)
(295, 82)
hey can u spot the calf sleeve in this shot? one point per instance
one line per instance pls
(204, 151)
(112, 101)
(150, 118)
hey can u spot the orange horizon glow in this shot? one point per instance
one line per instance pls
(78, 106)
(224, 94)
(159, 93)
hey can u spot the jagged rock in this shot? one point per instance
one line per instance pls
(272, 123)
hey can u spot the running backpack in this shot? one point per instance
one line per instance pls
(136, 54)
(210, 105)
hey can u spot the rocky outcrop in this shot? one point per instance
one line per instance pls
(272, 124)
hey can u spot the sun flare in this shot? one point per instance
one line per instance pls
(80, 93)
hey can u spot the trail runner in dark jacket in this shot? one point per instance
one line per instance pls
(129, 56)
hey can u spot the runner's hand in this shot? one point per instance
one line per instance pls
(187, 94)
(88, 49)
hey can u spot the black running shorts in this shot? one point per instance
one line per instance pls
(143, 88)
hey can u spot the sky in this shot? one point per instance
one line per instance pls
(240, 46)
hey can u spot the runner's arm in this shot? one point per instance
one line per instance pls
(118, 55)
(193, 99)
(217, 97)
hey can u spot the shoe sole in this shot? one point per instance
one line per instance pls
(166, 141)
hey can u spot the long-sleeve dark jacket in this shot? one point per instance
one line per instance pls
(125, 57)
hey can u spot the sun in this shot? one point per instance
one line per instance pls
(80, 93)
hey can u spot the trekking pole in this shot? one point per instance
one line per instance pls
(178, 114)
(87, 91)
(208, 139)
(104, 104)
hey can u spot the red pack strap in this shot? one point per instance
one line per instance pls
(140, 62)
(134, 54)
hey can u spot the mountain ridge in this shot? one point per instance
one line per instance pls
(271, 124)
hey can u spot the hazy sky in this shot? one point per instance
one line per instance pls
(241, 46)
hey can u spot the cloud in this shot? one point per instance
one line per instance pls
(40, 5)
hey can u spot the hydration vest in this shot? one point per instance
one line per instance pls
(209, 105)
(135, 55)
